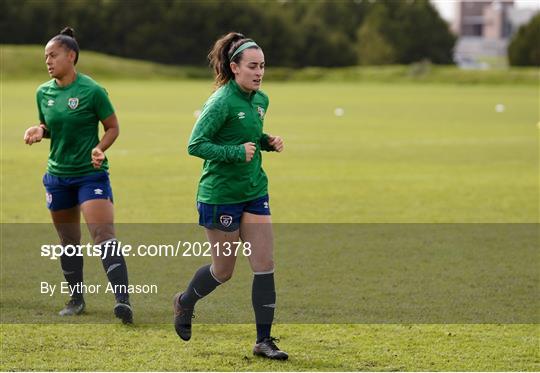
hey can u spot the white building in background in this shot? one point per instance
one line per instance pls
(482, 19)
(484, 28)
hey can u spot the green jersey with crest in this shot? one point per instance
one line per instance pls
(72, 114)
(230, 118)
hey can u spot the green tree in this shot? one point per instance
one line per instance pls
(416, 31)
(372, 46)
(524, 48)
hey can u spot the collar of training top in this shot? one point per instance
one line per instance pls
(77, 75)
(241, 92)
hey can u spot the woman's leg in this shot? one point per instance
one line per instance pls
(205, 280)
(257, 230)
(208, 277)
(99, 216)
(67, 224)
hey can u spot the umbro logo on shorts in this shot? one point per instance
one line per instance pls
(241, 115)
(225, 220)
(98, 191)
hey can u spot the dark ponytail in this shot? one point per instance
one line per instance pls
(66, 38)
(220, 56)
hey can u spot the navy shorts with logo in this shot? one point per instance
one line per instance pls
(227, 217)
(67, 192)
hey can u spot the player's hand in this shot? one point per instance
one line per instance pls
(33, 134)
(276, 142)
(250, 150)
(97, 157)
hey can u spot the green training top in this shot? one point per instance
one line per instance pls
(72, 114)
(230, 118)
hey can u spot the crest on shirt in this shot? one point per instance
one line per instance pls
(260, 110)
(225, 220)
(73, 102)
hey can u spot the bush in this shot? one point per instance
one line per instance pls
(524, 49)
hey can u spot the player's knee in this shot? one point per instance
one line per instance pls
(69, 234)
(222, 274)
(264, 266)
(70, 239)
(101, 232)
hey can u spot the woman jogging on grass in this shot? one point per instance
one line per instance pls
(70, 107)
(232, 198)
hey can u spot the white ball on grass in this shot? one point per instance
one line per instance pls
(339, 112)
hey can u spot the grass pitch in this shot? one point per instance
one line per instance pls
(399, 154)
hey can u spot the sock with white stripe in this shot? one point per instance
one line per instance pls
(202, 284)
(72, 266)
(115, 267)
(263, 296)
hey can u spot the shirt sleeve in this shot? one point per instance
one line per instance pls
(212, 118)
(40, 113)
(102, 105)
(264, 138)
(265, 145)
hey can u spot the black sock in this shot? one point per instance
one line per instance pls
(72, 266)
(263, 296)
(115, 268)
(202, 284)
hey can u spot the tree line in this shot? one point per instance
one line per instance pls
(292, 33)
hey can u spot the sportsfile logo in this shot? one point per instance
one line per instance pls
(115, 248)
(109, 248)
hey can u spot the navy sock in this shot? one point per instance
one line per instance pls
(72, 266)
(202, 284)
(115, 267)
(263, 296)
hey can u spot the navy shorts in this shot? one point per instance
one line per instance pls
(227, 217)
(67, 192)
